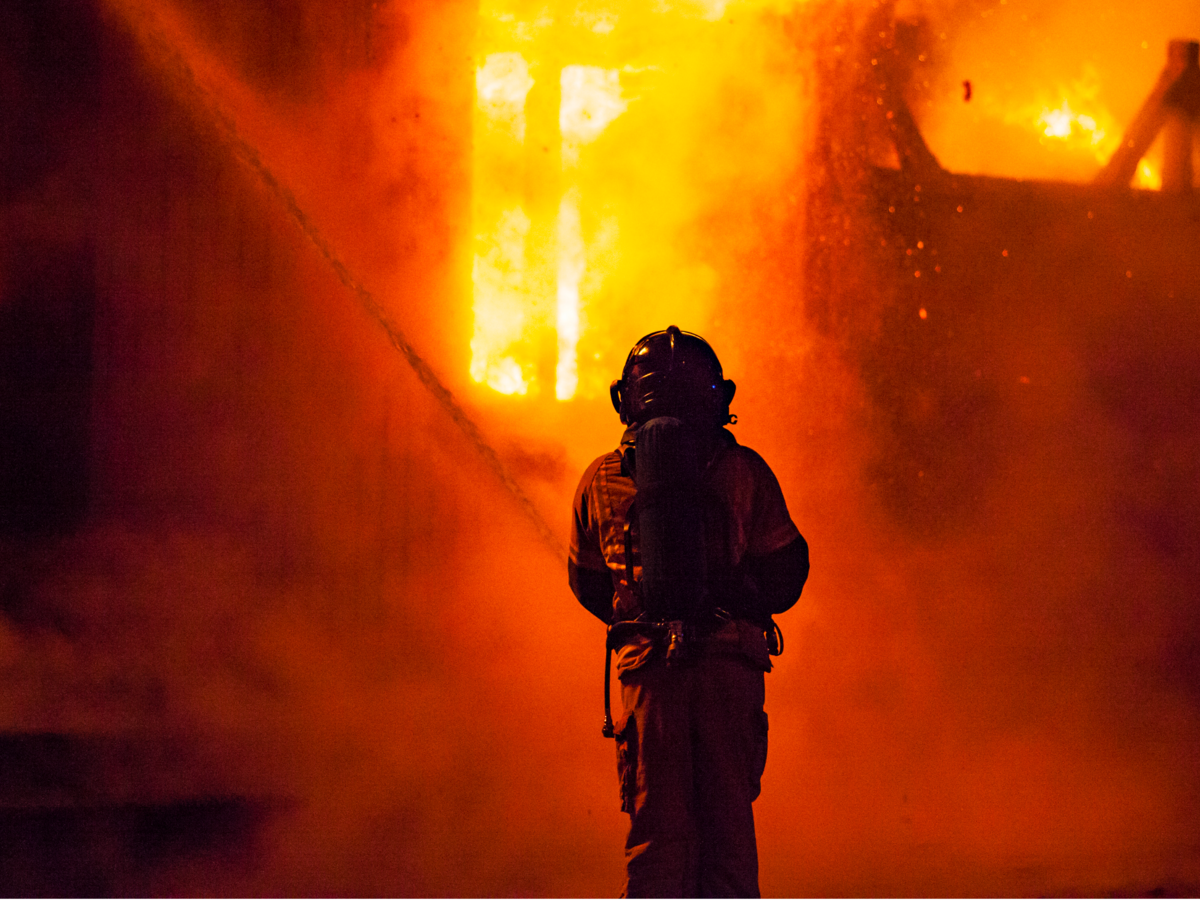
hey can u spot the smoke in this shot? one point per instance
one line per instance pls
(300, 574)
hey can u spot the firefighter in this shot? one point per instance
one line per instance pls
(682, 544)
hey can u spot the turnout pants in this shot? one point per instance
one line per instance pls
(690, 755)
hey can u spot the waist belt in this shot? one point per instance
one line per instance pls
(677, 635)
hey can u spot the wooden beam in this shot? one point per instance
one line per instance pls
(1176, 95)
(895, 71)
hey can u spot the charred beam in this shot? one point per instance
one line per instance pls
(1172, 107)
(916, 159)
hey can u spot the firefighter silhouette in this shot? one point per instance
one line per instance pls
(682, 544)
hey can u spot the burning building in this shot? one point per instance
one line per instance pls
(308, 314)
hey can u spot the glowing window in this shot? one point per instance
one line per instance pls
(606, 133)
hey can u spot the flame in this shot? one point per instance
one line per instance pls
(1148, 177)
(594, 153)
(571, 264)
(500, 315)
(1065, 124)
(518, 265)
(1080, 123)
(1097, 134)
(1035, 122)
(502, 84)
(591, 99)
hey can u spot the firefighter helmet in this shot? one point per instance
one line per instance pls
(673, 373)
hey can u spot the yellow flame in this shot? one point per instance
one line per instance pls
(1065, 124)
(1022, 129)
(501, 84)
(591, 99)
(1081, 122)
(509, 312)
(1095, 132)
(596, 149)
(571, 264)
(500, 303)
(1147, 177)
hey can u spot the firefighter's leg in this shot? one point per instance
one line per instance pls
(728, 753)
(660, 852)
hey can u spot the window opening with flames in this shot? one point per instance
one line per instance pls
(585, 141)
(531, 177)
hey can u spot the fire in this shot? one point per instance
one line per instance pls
(1040, 120)
(1097, 134)
(595, 149)
(502, 226)
(1081, 123)
(1148, 176)
(528, 277)
(1067, 125)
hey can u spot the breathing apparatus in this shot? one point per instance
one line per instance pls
(673, 390)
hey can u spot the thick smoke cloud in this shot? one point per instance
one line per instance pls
(296, 582)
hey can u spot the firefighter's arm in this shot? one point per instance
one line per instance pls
(587, 572)
(593, 589)
(780, 576)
